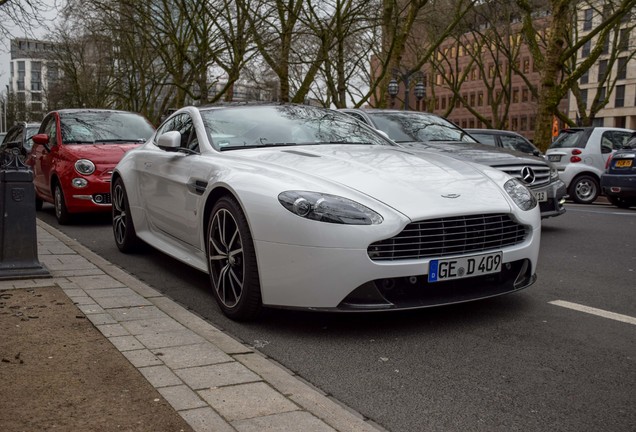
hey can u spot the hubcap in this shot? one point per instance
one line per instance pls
(225, 250)
(119, 214)
(585, 190)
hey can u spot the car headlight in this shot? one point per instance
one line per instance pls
(520, 194)
(328, 208)
(554, 173)
(84, 166)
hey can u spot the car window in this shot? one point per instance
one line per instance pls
(49, 127)
(356, 115)
(615, 140)
(571, 138)
(408, 126)
(28, 137)
(517, 143)
(182, 123)
(263, 126)
(104, 127)
(484, 138)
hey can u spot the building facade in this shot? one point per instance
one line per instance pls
(610, 84)
(31, 73)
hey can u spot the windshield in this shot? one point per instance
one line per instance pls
(237, 127)
(408, 126)
(102, 127)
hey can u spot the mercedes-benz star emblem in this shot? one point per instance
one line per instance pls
(527, 175)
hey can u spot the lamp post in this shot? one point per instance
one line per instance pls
(405, 77)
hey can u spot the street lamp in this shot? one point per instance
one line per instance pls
(405, 77)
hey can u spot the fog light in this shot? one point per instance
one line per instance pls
(98, 199)
(79, 182)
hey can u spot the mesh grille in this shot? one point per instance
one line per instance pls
(449, 236)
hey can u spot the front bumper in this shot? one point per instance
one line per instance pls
(93, 198)
(338, 279)
(555, 192)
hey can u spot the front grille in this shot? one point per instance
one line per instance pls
(541, 173)
(449, 236)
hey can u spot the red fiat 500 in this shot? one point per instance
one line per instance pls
(74, 154)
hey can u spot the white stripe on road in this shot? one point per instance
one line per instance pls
(594, 311)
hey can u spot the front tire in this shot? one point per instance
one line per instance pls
(584, 189)
(61, 211)
(123, 228)
(232, 261)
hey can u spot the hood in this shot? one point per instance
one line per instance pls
(475, 152)
(108, 154)
(417, 185)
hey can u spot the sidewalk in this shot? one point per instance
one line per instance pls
(214, 382)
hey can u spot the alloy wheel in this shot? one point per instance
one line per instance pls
(226, 258)
(119, 214)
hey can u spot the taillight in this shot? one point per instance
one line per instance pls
(575, 159)
(607, 164)
(576, 152)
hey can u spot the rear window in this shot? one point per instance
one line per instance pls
(484, 138)
(571, 138)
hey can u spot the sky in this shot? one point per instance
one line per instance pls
(47, 17)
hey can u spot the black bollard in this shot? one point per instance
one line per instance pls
(18, 236)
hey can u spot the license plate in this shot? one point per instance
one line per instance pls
(464, 267)
(554, 158)
(541, 196)
(624, 163)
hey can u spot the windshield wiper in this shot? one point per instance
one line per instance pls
(132, 140)
(264, 145)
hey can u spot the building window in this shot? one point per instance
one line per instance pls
(524, 123)
(606, 45)
(621, 71)
(472, 99)
(601, 94)
(525, 95)
(585, 78)
(587, 19)
(443, 102)
(526, 65)
(602, 70)
(623, 40)
(583, 97)
(480, 99)
(532, 122)
(598, 122)
(514, 122)
(515, 95)
(619, 96)
(585, 51)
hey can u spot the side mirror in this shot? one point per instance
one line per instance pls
(42, 139)
(169, 141)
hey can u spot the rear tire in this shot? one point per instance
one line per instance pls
(232, 261)
(61, 211)
(621, 202)
(584, 189)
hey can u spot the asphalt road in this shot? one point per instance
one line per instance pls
(514, 363)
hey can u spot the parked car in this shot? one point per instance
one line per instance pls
(505, 139)
(74, 154)
(619, 179)
(20, 138)
(424, 131)
(303, 207)
(580, 154)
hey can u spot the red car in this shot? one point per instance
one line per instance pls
(74, 154)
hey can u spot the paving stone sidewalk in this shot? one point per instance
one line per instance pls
(213, 381)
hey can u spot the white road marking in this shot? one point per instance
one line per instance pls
(599, 312)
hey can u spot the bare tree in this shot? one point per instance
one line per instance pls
(552, 59)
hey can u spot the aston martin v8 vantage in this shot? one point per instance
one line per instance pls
(301, 207)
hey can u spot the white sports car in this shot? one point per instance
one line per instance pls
(301, 207)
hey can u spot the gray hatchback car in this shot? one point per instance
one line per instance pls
(424, 131)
